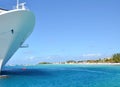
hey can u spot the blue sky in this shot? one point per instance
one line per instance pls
(70, 29)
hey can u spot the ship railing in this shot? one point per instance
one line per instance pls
(21, 6)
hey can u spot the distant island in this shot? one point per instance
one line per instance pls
(114, 59)
(45, 63)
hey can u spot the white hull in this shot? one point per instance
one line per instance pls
(15, 27)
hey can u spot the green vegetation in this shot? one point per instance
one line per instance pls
(71, 61)
(44, 63)
(116, 58)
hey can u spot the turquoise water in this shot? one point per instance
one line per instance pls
(61, 76)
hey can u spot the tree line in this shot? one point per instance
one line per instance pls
(114, 59)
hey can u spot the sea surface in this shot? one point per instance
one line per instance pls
(61, 76)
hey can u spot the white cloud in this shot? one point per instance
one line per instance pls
(32, 58)
(53, 57)
(92, 55)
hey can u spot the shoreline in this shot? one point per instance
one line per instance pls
(87, 64)
(70, 64)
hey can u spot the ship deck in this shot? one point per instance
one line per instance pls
(3, 10)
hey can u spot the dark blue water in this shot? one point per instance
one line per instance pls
(61, 76)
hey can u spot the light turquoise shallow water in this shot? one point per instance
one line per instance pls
(62, 76)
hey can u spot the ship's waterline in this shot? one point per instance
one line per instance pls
(15, 26)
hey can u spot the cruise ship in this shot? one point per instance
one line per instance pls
(15, 26)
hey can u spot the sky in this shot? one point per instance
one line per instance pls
(70, 30)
